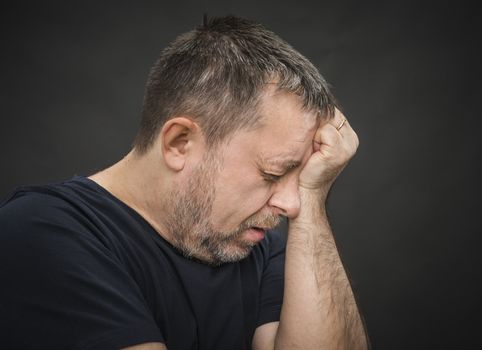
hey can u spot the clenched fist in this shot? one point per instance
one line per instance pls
(334, 144)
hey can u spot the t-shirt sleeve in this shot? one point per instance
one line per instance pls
(61, 288)
(272, 283)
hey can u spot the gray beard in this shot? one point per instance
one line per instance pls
(189, 224)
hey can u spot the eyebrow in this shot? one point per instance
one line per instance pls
(284, 164)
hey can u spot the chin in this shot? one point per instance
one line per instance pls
(230, 254)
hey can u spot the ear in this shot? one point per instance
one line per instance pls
(179, 136)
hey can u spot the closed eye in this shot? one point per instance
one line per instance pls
(271, 177)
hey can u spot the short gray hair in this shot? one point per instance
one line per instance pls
(216, 74)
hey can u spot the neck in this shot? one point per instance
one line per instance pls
(138, 181)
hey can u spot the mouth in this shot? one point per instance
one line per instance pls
(256, 234)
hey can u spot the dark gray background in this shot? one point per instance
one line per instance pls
(405, 211)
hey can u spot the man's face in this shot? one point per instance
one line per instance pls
(241, 189)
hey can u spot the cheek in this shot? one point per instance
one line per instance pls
(238, 199)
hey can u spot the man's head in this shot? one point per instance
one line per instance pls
(232, 110)
(217, 73)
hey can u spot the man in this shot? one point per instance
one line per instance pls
(171, 247)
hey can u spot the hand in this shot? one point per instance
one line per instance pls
(332, 149)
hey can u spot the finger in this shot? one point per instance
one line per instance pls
(349, 136)
(327, 135)
(328, 138)
(338, 119)
(341, 124)
(346, 131)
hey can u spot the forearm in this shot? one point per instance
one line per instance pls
(319, 310)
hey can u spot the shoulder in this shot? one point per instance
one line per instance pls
(76, 205)
(30, 207)
(54, 256)
(51, 220)
(34, 201)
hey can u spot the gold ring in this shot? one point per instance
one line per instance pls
(341, 125)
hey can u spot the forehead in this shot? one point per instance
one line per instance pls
(286, 128)
(285, 134)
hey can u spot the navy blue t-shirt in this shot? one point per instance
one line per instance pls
(79, 269)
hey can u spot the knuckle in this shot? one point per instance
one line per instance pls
(357, 139)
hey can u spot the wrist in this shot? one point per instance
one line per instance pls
(314, 196)
(312, 207)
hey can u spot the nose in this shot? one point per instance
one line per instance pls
(286, 197)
